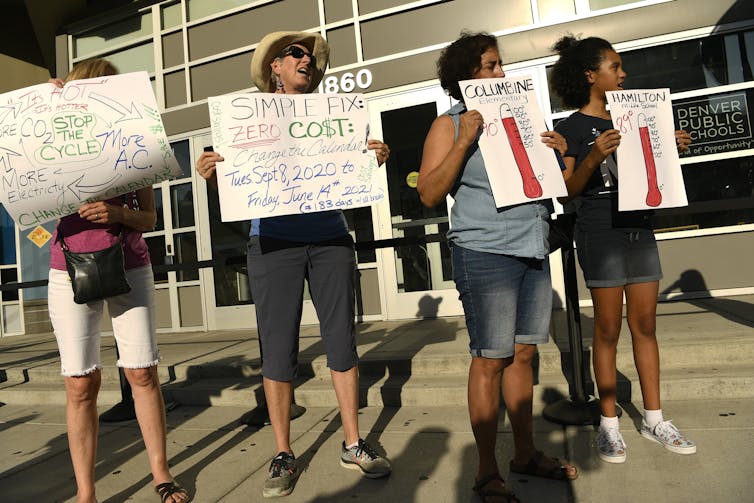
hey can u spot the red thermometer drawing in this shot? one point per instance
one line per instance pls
(532, 188)
(654, 196)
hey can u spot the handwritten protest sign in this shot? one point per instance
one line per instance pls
(292, 154)
(519, 166)
(92, 139)
(649, 171)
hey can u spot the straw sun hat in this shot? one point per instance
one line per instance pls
(271, 45)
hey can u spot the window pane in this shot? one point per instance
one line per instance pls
(228, 243)
(9, 276)
(687, 65)
(720, 193)
(156, 246)
(12, 319)
(360, 223)
(135, 59)
(182, 201)
(99, 39)
(692, 64)
(7, 238)
(185, 253)
(182, 155)
(171, 15)
(160, 225)
(606, 4)
(196, 9)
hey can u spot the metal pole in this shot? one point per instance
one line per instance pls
(580, 408)
(123, 410)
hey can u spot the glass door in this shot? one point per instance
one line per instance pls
(417, 271)
(11, 301)
(179, 296)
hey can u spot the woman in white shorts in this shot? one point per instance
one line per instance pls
(97, 226)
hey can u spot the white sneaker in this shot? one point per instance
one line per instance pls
(610, 445)
(666, 434)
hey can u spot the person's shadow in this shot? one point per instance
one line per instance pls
(376, 365)
(417, 465)
(692, 289)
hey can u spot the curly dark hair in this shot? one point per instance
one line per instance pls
(461, 59)
(577, 56)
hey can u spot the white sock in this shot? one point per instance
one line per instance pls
(352, 445)
(653, 417)
(609, 423)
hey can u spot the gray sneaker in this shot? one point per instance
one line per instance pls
(610, 445)
(283, 472)
(363, 457)
(667, 435)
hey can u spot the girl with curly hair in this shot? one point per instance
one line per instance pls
(617, 251)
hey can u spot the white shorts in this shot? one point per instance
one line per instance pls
(77, 326)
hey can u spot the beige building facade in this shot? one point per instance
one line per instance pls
(703, 51)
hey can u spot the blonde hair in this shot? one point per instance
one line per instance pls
(91, 68)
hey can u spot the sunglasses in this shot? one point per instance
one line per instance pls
(298, 53)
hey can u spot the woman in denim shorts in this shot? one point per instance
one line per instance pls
(500, 269)
(617, 250)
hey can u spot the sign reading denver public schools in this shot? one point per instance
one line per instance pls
(717, 123)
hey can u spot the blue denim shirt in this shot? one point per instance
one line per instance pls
(476, 223)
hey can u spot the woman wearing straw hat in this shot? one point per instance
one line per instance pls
(283, 251)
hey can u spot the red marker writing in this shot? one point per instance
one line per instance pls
(532, 188)
(654, 196)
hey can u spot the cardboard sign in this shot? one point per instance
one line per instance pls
(93, 139)
(649, 170)
(291, 154)
(519, 166)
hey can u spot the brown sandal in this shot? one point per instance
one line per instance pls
(534, 467)
(487, 494)
(168, 489)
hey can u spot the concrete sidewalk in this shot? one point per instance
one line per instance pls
(432, 451)
(708, 353)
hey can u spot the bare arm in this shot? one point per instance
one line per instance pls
(142, 219)
(576, 179)
(443, 156)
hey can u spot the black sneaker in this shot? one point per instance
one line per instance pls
(283, 472)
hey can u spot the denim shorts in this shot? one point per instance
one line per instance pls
(77, 326)
(613, 257)
(507, 300)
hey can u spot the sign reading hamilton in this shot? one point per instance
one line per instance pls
(717, 123)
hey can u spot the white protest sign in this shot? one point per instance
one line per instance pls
(649, 170)
(289, 154)
(519, 166)
(92, 139)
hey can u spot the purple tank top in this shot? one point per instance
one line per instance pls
(84, 236)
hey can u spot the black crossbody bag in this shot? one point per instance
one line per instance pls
(96, 275)
(99, 274)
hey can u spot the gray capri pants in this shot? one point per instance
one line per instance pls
(277, 270)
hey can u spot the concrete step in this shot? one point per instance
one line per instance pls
(731, 381)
